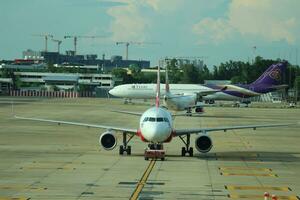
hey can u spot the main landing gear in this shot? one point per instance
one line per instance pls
(127, 101)
(125, 148)
(189, 111)
(187, 148)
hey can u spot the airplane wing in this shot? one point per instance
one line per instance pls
(180, 132)
(127, 130)
(140, 114)
(128, 112)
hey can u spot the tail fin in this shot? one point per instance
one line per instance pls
(157, 88)
(273, 75)
(167, 81)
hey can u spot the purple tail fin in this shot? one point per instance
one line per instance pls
(273, 75)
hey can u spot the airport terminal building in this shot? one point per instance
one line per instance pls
(77, 73)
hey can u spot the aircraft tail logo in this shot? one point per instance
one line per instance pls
(273, 75)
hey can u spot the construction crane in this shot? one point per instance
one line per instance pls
(129, 43)
(58, 44)
(46, 36)
(75, 37)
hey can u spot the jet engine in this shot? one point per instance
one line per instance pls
(203, 143)
(108, 140)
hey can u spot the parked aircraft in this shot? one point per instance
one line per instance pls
(155, 128)
(180, 102)
(269, 81)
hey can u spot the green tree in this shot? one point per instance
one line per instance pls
(174, 72)
(190, 74)
(205, 74)
(122, 74)
(237, 79)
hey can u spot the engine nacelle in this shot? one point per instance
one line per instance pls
(108, 140)
(203, 143)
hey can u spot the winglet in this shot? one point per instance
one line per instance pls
(157, 88)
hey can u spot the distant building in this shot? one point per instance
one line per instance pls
(86, 72)
(197, 62)
(31, 54)
(90, 59)
(71, 59)
(5, 85)
(25, 67)
(65, 81)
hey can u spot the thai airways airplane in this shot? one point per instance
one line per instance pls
(269, 81)
(155, 128)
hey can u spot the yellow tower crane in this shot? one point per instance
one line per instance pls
(46, 36)
(58, 44)
(75, 37)
(130, 43)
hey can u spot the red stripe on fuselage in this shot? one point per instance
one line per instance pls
(139, 133)
(170, 137)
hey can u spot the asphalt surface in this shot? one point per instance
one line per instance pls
(46, 161)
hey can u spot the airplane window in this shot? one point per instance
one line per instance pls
(166, 119)
(160, 119)
(151, 119)
(146, 119)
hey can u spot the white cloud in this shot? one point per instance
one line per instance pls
(163, 6)
(210, 30)
(272, 20)
(128, 23)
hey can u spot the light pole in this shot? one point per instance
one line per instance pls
(254, 53)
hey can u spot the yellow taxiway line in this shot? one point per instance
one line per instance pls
(143, 181)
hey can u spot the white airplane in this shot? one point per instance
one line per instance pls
(180, 102)
(147, 91)
(269, 81)
(155, 128)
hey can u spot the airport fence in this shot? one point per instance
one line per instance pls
(50, 94)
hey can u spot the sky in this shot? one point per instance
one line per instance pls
(213, 30)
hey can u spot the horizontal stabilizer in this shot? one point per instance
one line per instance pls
(277, 87)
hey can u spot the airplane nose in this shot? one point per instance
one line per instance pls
(156, 133)
(112, 91)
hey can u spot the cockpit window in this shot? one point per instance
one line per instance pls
(160, 119)
(151, 119)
